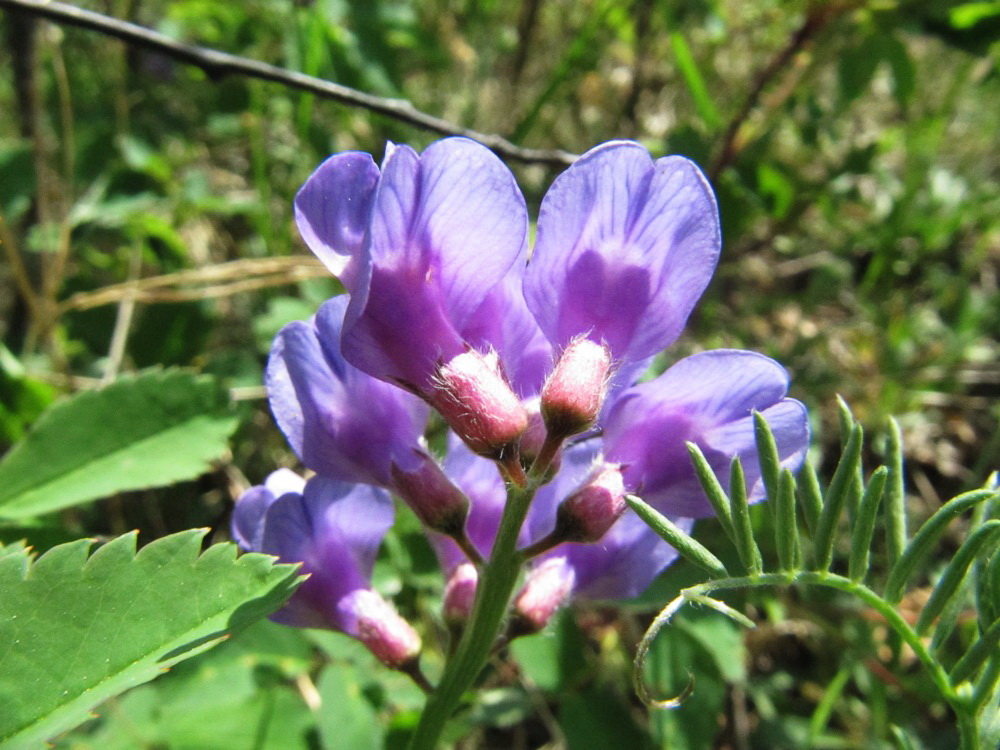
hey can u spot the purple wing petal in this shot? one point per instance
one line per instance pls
(332, 209)
(707, 399)
(340, 421)
(334, 529)
(623, 563)
(504, 323)
(625, 248)
(446, 228)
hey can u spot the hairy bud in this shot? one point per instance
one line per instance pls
(588, 513)
(377, 624)
(431, 495)
(460, 593)
(547, 586)
(574, 391)
(475, 399)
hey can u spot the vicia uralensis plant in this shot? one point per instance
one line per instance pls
(531, 365)
(968, 683)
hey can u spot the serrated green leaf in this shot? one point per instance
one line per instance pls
(239, 695)
(76, 630)
(152, 429)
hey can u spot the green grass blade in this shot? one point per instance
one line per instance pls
(847, 422)
(836, 495)
(845, 419)
(767, 452)
(895, 497)
(864, 525)
(685, 545)
(745, 545)
(694, 81)
(786, 528)
(981, 539)
(976, 656)
(713, 490)
(811, 497)
(900, 739)
(925, 539)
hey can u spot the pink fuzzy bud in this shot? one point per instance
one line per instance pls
(475, 399)
(431, 495)
(588, 513)
(460, 593)
(376, 623)
(574, 391)
(546, 588)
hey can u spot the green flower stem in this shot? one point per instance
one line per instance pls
(964, 710)
(493, 593)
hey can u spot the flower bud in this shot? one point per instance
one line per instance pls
(431, 495)
(587, 514)
(546, 588)
(377, 624)
(460, 593)
(475, 399)
(574, 391)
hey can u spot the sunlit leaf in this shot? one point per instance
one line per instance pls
(143, 431)
(77, 628)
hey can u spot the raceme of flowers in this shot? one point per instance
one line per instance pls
(531, 365)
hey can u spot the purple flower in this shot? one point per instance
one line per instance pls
(516, 356)
(479, 480)
(624, 561)
(424, 244)
(707, 399)
(625, 248)
(340, 421)
(334, 529)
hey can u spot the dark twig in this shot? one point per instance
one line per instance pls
(816, 20)
(219, 64)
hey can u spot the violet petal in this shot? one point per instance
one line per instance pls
(625, 248)
(340, 421)
(707, 399)
(332, 209)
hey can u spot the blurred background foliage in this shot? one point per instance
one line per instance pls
(145, 220)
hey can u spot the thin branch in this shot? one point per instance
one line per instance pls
(18, 270)
(219, 64)
(816, 20)
(221, 279)
(123, 319)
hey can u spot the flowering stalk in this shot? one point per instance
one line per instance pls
(496, 585)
